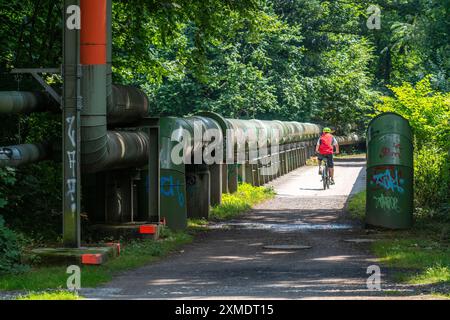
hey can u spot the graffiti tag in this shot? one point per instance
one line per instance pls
(387, 181)
(393, 152)
(386, 202)
(72, 162)
(168, 189)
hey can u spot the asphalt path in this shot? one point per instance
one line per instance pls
(232, 261)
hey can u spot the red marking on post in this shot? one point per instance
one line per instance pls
(147, 229)
(93, 32)
(91, 258)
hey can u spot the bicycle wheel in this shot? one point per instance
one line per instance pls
(325, 177)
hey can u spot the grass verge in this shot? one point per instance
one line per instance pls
(57, 295)
(198, 225)
(357, 206)
(422, 252)
(134, 254)
(242, 200)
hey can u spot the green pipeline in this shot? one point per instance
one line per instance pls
(17, 155)
(127, 105)
(25, 102)
(102, 149)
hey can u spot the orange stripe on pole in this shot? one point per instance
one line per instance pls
(93, 32)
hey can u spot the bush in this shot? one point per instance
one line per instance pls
(428, 112)
(10, 252)
(431, 179)
(7, 179)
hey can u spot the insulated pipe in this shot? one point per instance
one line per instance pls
(14, 156)
(25, 102)
(127, 104)
(100, 149)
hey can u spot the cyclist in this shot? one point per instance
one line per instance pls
(325, 150)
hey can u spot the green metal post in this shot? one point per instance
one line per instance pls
(71, 125)
(233, 175)
(249, 174)
(241, 173)
(390, 168)
(224, 170)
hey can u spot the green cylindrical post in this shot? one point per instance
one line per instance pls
(198, 194)
(284, 162)
(233, 177)
(255, 171)
(292, 159)
(224, 170)
(241, 173)
(249, 174)
(389, 201)
(216, 184)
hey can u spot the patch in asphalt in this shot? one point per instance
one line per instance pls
(282, 227)
(359, 240)
(287, 247)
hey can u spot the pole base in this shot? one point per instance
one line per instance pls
(77, 256)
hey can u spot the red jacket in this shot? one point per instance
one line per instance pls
(326, 143)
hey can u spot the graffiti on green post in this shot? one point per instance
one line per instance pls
(386, 202)
(389, 179)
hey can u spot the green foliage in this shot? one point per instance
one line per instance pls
(412, 42)
(414, 252)
(428, 112)
(433, 274)
(7, 179)
(10, 253)
(264, 67)
(53, 295)
(432, 180)
(234, 204)
(34, 201)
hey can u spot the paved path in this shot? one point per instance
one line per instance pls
(231, 262)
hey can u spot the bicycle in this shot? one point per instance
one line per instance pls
(325, 174)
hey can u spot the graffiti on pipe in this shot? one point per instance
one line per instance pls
(392, 152)
(389, 180)
(385, 202)
(72, 162)
(168, 189)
